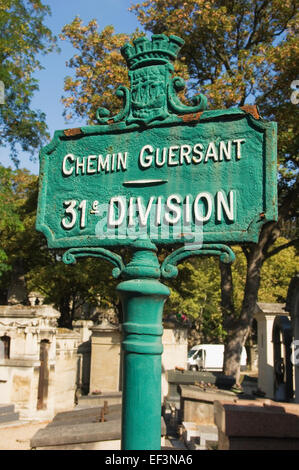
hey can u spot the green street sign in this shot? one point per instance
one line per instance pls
(159, 172)
(159, 169)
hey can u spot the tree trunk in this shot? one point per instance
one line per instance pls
(232, 352)
(234, 339)
(239, 328)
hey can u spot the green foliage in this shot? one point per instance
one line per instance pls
(23, 36)
(196, 290)
(240, 53)
(230, 47)
(8, 216)
(235, 53)
(14, 187)
(99, 66)
(277, 272)
(195, 293)
(69, 287)
(4, 266)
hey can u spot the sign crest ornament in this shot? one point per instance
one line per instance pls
(152, 96)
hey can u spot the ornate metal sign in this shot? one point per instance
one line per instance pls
(159, 169)
(159, 172)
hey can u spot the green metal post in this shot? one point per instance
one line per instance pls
(142, 297)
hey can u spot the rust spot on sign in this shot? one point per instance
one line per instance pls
(191, 117)
(251, 109)
(72, 132)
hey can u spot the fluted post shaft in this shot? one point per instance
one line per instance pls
(142, 297)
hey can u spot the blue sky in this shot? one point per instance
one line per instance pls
(51, 78)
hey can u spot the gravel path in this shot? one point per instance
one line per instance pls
(17, 436)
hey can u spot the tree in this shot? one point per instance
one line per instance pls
(235, 53)
(23, 35)
(99, 69)
(8, 216)
(70, 287)
(275, 281)
(13, 192)
(15, 188)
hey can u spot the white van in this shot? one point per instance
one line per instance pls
(209, 357)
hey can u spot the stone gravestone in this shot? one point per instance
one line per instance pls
(105, 349)
(265, 315)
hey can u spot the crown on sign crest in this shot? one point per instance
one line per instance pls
(160, 50)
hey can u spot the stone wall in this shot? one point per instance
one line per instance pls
(83, 327)
(175, 351)
(38, 371)
(66, 367)
(28, 327)
(105, 369)
(106, 360)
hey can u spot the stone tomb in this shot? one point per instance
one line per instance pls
(37, 361)
(83, 327)
(86, 429)
(176, 378)
(90, 428)
(106, 356)
(197, 405)
(175, 352)
(105, 369)
(66, 367)
(197, 414)
(265, 316)
(257, 425)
